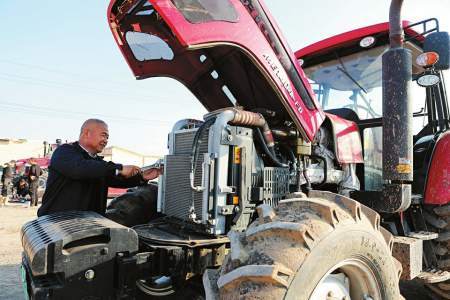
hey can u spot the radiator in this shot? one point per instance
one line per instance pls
(177, 189)
(183, 142)
(177, 186)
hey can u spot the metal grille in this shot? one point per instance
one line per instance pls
(183, 142)
(177, 199)
(276, 185)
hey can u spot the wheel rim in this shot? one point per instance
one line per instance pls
(42, 183)
(350, 278)
(156, 286)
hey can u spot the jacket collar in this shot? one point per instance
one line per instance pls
(85, 153)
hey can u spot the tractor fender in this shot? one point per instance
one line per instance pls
(346, 140)
(437, 183)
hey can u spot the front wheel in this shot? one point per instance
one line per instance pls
(330, 247)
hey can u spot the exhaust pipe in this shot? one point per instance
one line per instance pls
(249, 118)
(397, 106)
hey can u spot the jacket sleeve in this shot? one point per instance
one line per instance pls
(122, 182)
(67, 161)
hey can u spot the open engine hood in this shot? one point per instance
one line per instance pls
(226, 52)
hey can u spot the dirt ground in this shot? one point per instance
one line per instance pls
(14, 215)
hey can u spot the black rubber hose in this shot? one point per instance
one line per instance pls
(266, 150)
(299, 188)
(197, 139)
(324, 170)
(289, 151)
(195, 149)
(271, 149)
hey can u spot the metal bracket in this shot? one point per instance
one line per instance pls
(393, 198)
(227, 210)
(227, 189)
(233, 135)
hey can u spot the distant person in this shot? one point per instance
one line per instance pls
(33, 180)
(7, 177)
(79, 179)
(21, 191)
(21, 188)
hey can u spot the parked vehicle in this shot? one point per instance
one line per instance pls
(22, 165)
(280, 200)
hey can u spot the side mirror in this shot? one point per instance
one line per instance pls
(439, 42)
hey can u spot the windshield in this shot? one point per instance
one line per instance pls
(354, 82)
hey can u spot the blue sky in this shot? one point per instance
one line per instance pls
(59, 65)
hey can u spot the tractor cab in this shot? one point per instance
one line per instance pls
(345, 72)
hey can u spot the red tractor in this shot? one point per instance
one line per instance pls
(315, 175)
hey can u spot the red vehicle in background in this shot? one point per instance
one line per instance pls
(23, 165)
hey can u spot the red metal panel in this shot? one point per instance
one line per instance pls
(438, 179)
(114, 192)
(347, 141)
(245, 35)
(343, 38)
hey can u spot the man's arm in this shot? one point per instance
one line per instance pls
(122, 182)
(67, 161)
(138, 179)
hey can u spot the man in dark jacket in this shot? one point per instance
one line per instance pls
(33, 180)
(21, 188)
(79, 179)
(7, 177)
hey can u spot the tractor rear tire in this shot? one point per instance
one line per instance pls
(438, 218)
(138, 206)
(295, 250)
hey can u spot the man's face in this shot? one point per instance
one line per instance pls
(98, 138)
(21, 183)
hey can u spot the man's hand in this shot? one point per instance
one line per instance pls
(129, 171)
(33, 177)
(152, 174)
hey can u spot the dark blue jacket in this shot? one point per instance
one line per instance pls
(76, 181)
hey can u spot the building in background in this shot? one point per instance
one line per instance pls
(17, 149)
(126, 157)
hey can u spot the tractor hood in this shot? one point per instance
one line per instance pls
(226, 52)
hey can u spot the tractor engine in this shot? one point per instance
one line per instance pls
(219, 170)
